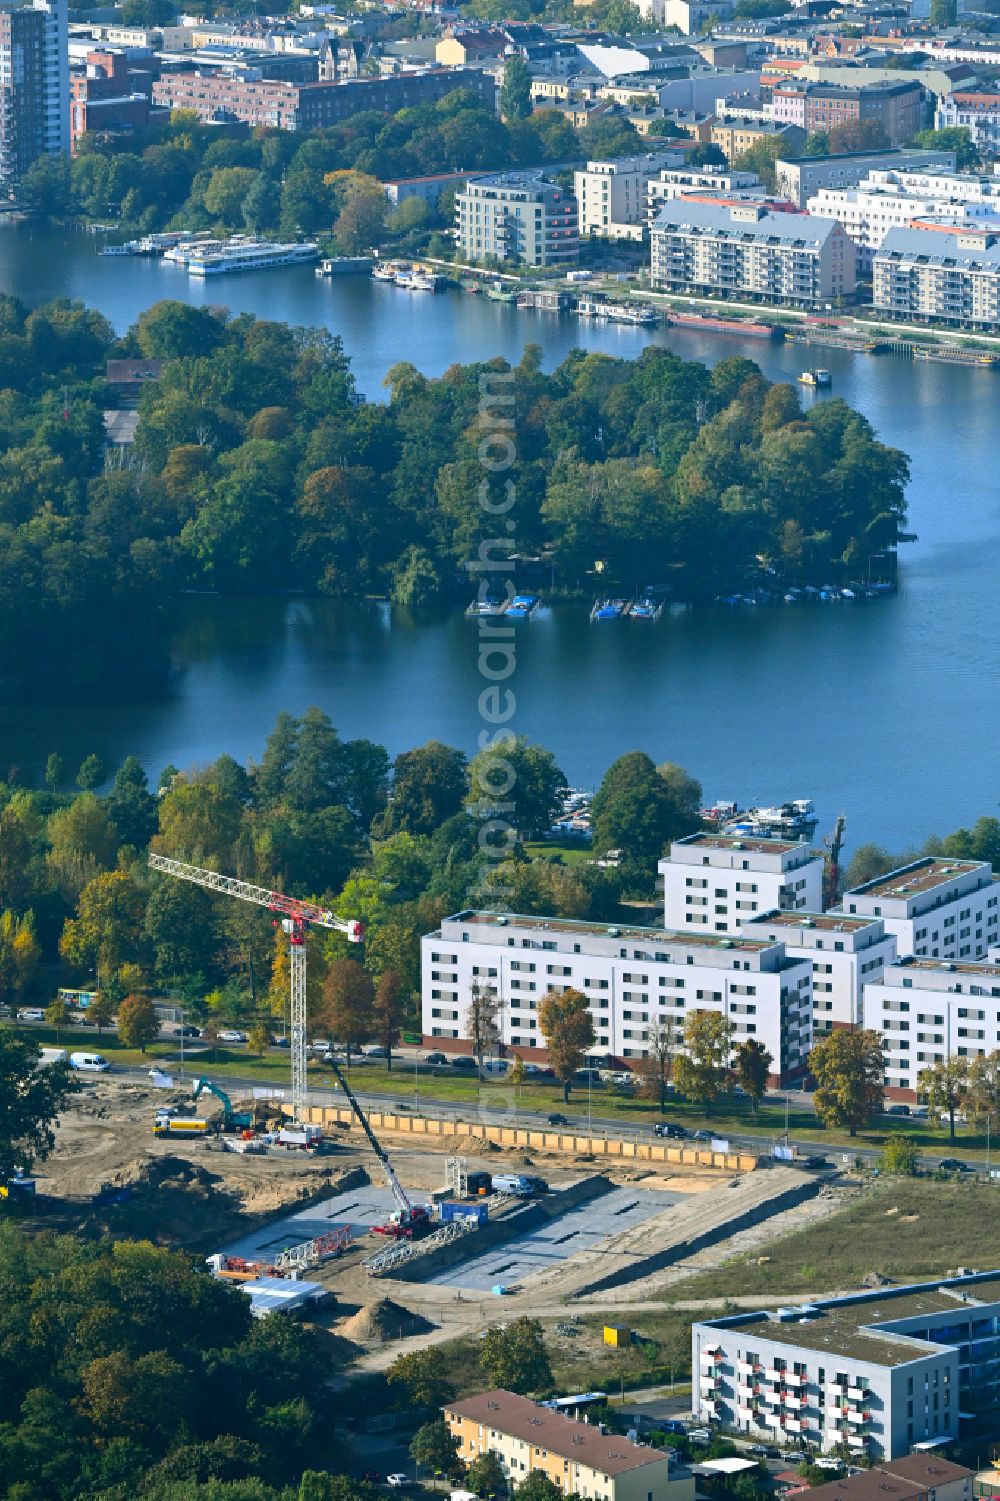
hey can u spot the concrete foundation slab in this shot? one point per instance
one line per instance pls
(577, 1230)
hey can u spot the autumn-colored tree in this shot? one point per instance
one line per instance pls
(702, 1069)
(260, 1038)
(389, 1012)
(57, 1015)
(138, 1023)
(348, 1003)
(849, 1067)
(568, 1028)
(944, 1086)
(657, 1065)
(20, 953)
(107, 928)
(983, 1099)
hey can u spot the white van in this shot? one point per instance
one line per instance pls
(89, 1063)
(512, 1183)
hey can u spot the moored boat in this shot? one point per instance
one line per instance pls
(608, 609)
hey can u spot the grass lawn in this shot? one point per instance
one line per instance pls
(562, 851)
(905, 1228)
(660, 1352)
(729, 1115)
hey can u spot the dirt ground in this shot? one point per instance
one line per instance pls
(195, 1195)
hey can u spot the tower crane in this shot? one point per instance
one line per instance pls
(410, 1220)
(294, 916)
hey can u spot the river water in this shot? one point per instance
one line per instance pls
(888, 711)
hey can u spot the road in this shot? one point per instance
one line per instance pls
(330, 1095)
(413, 1064)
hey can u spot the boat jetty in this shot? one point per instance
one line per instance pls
(412, 278)
(791, 820)
(521, 607)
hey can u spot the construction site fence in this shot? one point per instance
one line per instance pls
(574, 1143)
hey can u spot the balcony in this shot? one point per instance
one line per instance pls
(793, 1378)
(746, 1367)
(857, 1393)
(711, 1357)
(773, 1374)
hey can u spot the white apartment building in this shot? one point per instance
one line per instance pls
(635, 979)
(868, 212)
(877, 1371)
(611, 195)
(940, 273)
(517, 218)
(847, 953)
(934, 908)
(735, 248)
(929, 1010)
(56, 75)
(799, 178)
(976, 112)
(714, 883)
(675, 182)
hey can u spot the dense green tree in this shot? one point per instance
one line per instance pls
(421, 1378)
(515, 89)
(428, 788)
(955, 138)
(486, 1476)
(514, 1357)
(752, 1064)
(515, 785)
(91, 773)
(436, 1448)
(30, 1101)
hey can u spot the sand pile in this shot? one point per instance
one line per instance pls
(378, 1323)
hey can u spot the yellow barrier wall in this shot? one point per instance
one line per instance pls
(624, 1149)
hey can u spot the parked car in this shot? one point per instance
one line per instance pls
(699, 1435)
(463, 1061)
(396, 1481)
(4, 1009)
(825, 1463)
(435, 1058)
(952, 1165)
(815, 1163)
(31, 1014)
(376, 1052)
(555, 1119)
(188, 1031)
(670, 1128)
(896, 1110)
(702, 1136)
(763, 1451)
(232, 1037)
(282, 1042)
(794, 1457)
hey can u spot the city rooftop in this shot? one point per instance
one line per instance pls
(608, 930)
(911, 880)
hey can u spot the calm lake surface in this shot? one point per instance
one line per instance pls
(888, 711)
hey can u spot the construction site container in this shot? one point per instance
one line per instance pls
(450, 1211)
(618, 1336)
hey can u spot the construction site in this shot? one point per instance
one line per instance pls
(392, 1229)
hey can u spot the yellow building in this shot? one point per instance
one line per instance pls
(575, 1456)
(462, 47)
(733, 137)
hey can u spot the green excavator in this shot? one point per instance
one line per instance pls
(232, 1120)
